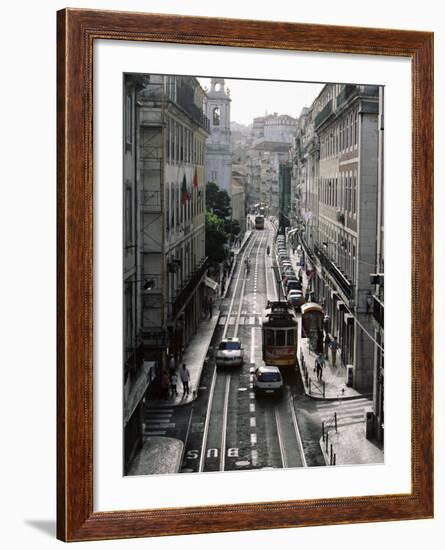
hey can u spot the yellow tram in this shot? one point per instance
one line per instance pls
(280, 334)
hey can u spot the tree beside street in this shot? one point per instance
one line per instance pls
(218, 201)
(216, 238)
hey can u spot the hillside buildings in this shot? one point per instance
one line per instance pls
(272, 137)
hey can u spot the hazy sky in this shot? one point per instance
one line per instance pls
(252, 98)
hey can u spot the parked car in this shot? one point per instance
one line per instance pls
(292, 284)
(230, 353)
(296, 299)
(267, 380)
(289, 270)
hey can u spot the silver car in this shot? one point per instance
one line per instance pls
(267, 380)
(230, 353)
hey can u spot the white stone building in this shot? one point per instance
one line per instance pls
(218, 167)
(164, 219)
(337, 154)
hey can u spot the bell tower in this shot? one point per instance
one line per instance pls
(219, 160)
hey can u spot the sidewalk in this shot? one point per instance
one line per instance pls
(197, 349)
(334, 378)
(194, 357)
(236, 252)
(159, 455)
(350, 446)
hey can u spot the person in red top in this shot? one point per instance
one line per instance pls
(165, 385)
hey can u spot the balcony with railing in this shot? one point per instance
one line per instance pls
(307, 249)
(349, 91)
(324, 114)
(185, 99)
(341, 280)
(187, 290)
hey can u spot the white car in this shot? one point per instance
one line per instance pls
(230, 353)
(296, 298)
(267, 380)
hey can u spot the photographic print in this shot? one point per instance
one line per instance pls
(212, 222)
(253, 274)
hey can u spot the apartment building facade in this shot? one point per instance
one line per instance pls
(164, 220)
(337, 169)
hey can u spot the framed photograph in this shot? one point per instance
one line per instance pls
(233, 198)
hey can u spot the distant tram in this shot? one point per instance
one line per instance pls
(280, 335)
(259, 222)
(312, 325)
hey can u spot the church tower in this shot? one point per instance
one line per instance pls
(219, 159)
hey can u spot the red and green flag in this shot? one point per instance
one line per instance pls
(184, 193)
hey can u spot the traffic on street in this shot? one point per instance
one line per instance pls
(231, 425)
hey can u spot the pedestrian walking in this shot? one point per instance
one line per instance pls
(210, 305)
(334, 347)
(319, 365)
(172, 364)
(326, 326)
(174, 384)
(184, 373)
(327, 341)
(165, 385)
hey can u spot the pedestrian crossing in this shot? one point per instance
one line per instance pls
(157, 420)
(349, 411)
(251, 320)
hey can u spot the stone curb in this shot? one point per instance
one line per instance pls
(233, 267)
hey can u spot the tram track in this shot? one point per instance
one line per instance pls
(263, 433)
(287, 404)
(221, 384)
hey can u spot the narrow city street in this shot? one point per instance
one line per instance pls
(227, 427)
(253, 277)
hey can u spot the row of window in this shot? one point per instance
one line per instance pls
(180, 206)
(340, 191)
(341, 137)
(280, 337)
(187, 257)
(340, 246)
(327, 95)
(182, 144)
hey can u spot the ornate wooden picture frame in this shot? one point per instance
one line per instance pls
(77, 31)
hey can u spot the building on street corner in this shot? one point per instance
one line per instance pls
(164, 222)
(339, 179)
